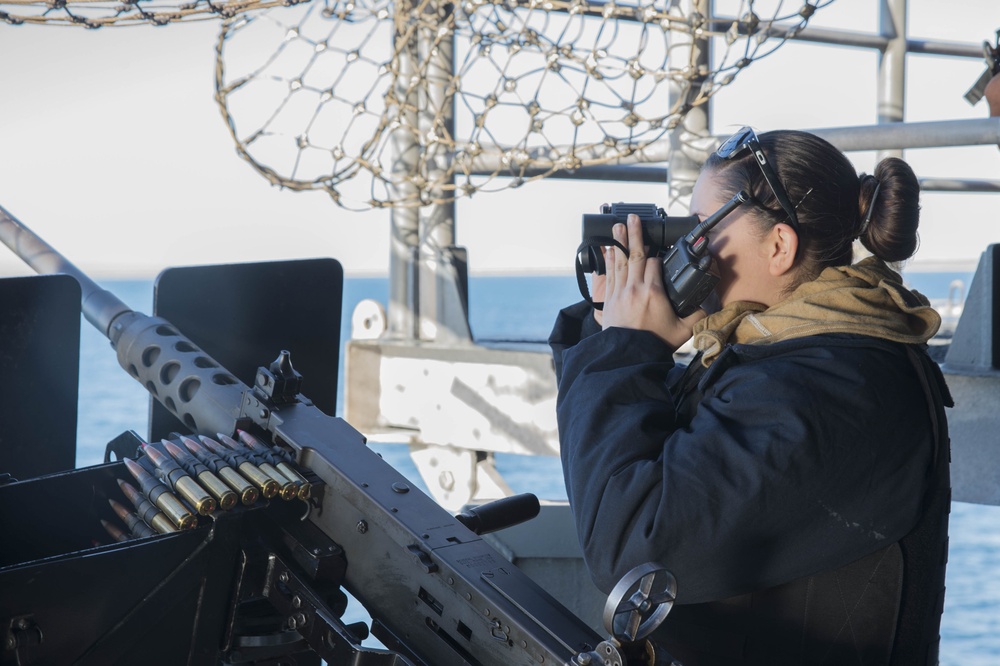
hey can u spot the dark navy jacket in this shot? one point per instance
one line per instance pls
(777, 463)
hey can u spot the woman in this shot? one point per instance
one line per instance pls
(793, 477)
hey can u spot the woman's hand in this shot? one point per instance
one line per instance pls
(634, 294)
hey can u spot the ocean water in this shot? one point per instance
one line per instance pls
(523, 308)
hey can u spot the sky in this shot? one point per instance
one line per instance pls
(112, 149)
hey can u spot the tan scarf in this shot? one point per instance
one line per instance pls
(867, 298)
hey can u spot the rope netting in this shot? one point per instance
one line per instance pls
(98, 14)
(416, 102)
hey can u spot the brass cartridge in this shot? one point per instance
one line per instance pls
(246, 490)
(189, 489)
(181, 481)
(248, 494)
(289, 490)
(305, 488)
(223, 494)
(146, 511)
(135, 524)
(268, 486)
(161, 496)
(282, 463)
(116, 533)
(226, 498)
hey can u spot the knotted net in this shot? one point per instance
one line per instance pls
(408, 103)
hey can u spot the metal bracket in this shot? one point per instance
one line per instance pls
(23, 635)
(307, 614)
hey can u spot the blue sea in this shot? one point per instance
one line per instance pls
(523, 308)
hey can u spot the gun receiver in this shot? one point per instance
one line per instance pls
(437, 592)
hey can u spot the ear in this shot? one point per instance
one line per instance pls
(782, 247)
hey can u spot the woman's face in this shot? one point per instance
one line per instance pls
(735, 243)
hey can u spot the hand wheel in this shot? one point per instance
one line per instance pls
(639, 602)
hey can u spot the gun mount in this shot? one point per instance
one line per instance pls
(263, 581)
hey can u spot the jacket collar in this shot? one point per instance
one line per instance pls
(867, 298)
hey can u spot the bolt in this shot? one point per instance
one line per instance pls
(301, 619)
(263, 413)
(11, 642)
(296, 601)
(283, 577)
(362, 527)
(583, 659)
(291, 623)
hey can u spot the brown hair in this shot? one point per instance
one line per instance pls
(833, 204)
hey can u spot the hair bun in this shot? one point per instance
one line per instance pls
(892, 214)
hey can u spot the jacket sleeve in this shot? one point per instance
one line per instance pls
(574, 323)
(788, 468)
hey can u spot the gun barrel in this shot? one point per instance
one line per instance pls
(139, 341)
(99, 306)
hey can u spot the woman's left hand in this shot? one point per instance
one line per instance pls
(634, 293)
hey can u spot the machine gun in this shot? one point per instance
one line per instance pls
(263, 583)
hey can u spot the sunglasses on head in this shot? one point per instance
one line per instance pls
(746, 140)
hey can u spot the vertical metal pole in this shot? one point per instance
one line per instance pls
(443, 288)
(892, 66)
(403, 309)
(692, 53)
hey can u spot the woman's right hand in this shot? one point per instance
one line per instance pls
(633, 292)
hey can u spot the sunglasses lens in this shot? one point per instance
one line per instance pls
(735, 143)
(726, 149)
